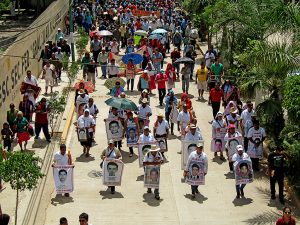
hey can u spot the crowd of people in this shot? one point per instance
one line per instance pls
(236, 132)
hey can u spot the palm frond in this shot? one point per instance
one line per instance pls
(270, 108)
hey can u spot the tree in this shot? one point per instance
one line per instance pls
(22, 171)
(57, 106)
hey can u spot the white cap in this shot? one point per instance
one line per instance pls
(239, 148)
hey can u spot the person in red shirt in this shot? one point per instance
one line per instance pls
(286, 218)
(215, 96)
(175, 54)
(138, 24)
(41, 119)
(161, 79)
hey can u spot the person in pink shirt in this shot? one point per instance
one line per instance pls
(161, 79)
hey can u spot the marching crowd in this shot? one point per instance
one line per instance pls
(236, 132)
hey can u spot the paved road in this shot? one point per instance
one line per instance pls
(131, 205)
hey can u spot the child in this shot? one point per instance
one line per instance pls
(7, 136)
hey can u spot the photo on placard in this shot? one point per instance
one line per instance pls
(114, 129)
(112, 172)
(82, 134)
(162, 144)
(63, 178)
(243, 172)
(152, 176)
(186, 148)
(131, 136)
(143, 149)
(195, 172)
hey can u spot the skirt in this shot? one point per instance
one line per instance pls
(23, 136)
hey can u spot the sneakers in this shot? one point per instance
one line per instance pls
(67, 195)
(193, 196)
(130, 155)
(149, 191)
(242, 192)
(231, 171)
(238, 195)
(157, 197)
(197, 191)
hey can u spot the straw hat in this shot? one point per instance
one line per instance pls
(233, 110)
(154, 148)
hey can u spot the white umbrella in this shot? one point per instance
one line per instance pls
(104, 33)
(159, 31)
(141, 33)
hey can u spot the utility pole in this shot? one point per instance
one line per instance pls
(71, 30)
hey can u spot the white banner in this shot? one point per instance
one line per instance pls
(112, 172)
(114, 129)
(186, 148)
(195, 174)
(243, 172)
(143, 149)
(162, 144)
(152, 176)
(63, 179)
(132, 135)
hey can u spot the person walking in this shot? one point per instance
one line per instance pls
(171, 111)
(130, 74)
(92, 72)
(277, 161)
(41, 119)
(201, 78)
(103, 60)
(200, 155)
(111, 152)
(216, 95)
(161, 79)
(286, 218)
(185, 77)
(95, 47)
(131, 121)
(21, 126)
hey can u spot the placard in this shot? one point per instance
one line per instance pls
(132, 135)
(82, 134)
(196, 170)
(162, 144)
(143, 149)
(186, 148)
(152, 176)
(231, 145)
(112, 172)
(243, 172)
(63, 178)
(114, 129)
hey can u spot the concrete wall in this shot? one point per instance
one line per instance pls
(23, 54)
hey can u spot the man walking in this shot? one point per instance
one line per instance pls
(215, 96)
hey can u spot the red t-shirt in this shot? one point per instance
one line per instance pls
(280, 221)
(216, 95)
(41, 117)
(161, 81)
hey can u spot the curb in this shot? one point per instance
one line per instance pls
(68, 124)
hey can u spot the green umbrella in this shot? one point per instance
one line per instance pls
(122, 103)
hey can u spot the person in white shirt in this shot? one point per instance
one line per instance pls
(84, 219)
(30, 79)
(256, 136)
(115, 114)
(193, 134)
(146, 137)
(219, 129)
(81, 101)
(48, 75)
(145, 110)
(113, 69)
(184, 117)
(161, 128)
(233, 118)
(88, 123)
(92, 107)
(209, 58)
(246, 121)
(59, 55)
(153, 157)
(198, 153)
(61, 159)
(238, 156)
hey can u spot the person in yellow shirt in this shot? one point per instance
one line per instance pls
(201, 78)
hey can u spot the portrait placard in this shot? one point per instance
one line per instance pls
(231, 145)
(143, 149)
(195, 174)
(132, 135)
(162, 144)
(112, 172)
(243, 172)
(82, 134)
(152, 176)
(218, 143)
(114, 129)
(186, 148)
(63, 178)
(142, 123)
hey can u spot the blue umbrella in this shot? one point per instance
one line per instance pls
(154, 36)
(136, 58)
(159, 31)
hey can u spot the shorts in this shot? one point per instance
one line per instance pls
(201, 85)
(49, 82)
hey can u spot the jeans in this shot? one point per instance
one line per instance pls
(185, 85)
(279, 179)
(118, 144)
(161, 95)
(215, 107)
(39, 127)
(239, 187)
(131, 150)
(95, 55)
(255, 163)
(192, 66)
(91, 77)
(194, 188)
(132, 84)
(103, 69)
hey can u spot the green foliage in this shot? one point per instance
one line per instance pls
(4, 5)
(21, 170)
(81, 42)
(57, 106)
(72, 71)
(291, 98)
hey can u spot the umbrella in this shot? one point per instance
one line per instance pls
(88, 85)
(159, 31)
(141, 33)
(111, 82)
(104, 33)
(122, 103)
(136, 58)
(154, 36)
(184, 60)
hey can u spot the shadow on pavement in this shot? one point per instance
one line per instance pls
(132, 93)
(83, 158)
(218, 160)
(107, 195)
(95, 174)
(172, 137)
(179, 94)
(201, 100)
(39, 143)
(140, 178)
(60, 200)
(126, 159)
(199, 198)
(263, 219)
(242, 201)
(229, 175)
(150, 200)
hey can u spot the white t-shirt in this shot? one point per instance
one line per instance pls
(208, 59)
(150, 158)
(184, 118)
(143, 111)
(49, 70)
(190, 137)
(162, 127)
(86, 122)
(257, 136)
(144, 139)
(60, 159)
(202, 157)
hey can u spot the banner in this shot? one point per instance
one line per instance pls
(141, 13)
(231, 145)
(132, 135)
(218, 143)
(162, 144)
(82, 134)
(243, 172)
(152, 176)
(143, 150)
(195, 174)
(25, 87)
(114, 129)
(63, 178)
(186, 148)
(142, 123)
(112, 172)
